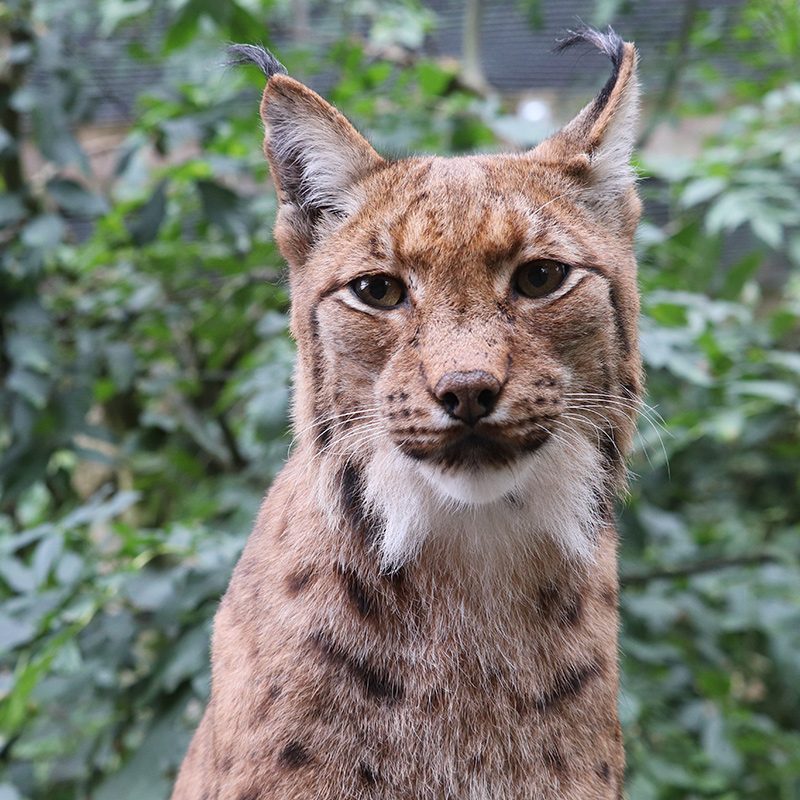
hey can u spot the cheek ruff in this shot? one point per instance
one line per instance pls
(553, 493)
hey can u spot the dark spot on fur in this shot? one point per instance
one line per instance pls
(609, 449)
(367, 774)
(555, 761)
(294, 755)
(476, 764)
(359, 595)
(322, 426)
(558, 608)
(396, 579)
(548, 599)
(608, 594)
(520, 704)
(629, 390)
(297, 581)
(226, 764)
(435, 699)
(619, 325)
(376, 682)
(375, 249)
(568, 685)
(604, 772)
(573, 609)
(360, 522)
(265, 703)
(514, 500)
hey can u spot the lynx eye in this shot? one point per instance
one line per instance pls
(379, 291)
(539, 278)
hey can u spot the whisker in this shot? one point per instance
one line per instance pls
(596, 408)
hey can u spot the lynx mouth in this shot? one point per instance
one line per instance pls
(477, 450)
(469, 478)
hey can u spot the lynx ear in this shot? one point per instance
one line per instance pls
(315, 155)
(596, 146)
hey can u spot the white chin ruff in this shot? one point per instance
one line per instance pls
(475, 487)
(553, 492)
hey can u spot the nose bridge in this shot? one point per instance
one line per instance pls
(460, 340)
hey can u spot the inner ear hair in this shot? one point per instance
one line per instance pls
(316, 156)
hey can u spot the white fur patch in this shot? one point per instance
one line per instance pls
(552, 493)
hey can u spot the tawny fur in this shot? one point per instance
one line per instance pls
(402, 625)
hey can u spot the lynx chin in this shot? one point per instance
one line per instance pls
(427, 606)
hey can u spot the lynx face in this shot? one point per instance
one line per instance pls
(464, 306)
(466, 326)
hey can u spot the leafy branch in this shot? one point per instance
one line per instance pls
(699, 568)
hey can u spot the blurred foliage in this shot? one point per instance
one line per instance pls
(145, 369)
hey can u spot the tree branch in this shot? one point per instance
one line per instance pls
(698, 568)
(19, 33)
(669, 90)
(472, 70)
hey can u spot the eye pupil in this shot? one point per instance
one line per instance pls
(540, 278)
(378, 288)
(379, 291)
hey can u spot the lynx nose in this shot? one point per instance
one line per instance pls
(468, 396)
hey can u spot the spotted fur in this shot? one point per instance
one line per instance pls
(420, 614)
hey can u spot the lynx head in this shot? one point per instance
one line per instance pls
(466, 326)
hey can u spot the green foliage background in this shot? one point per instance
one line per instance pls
(145, 384)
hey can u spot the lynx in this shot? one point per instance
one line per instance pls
(427, 606)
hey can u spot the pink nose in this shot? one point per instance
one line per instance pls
(468, 396)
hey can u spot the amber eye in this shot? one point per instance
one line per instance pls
(539, 278)
(379, 291)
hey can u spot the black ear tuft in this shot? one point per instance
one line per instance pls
(253, 54)
(608, 43)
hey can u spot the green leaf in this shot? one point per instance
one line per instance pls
(52, 133)
(701, 189)
(35, 388)
(432, 78)
(777, 391)
(144, 225)
(121, 360)
(76, 200)
(222, 206)
(13, 633)
(184, 657)
(767, 228)
(45, 556)
(146, 775)
(29, 671)
(12, 209)
(44, 232)
(739, 274)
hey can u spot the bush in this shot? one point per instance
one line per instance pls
(146, 368)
